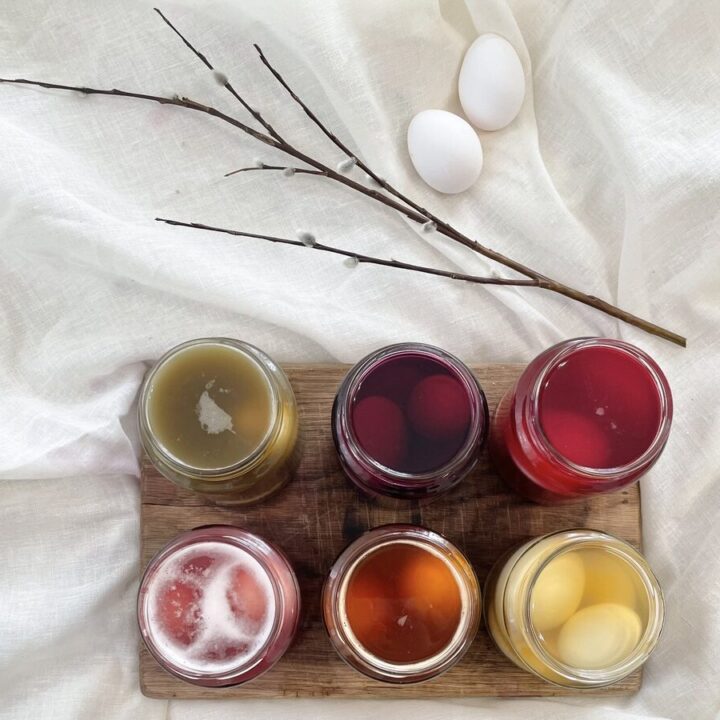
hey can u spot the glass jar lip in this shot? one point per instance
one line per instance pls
(430, 541)
(648, 641)
(258, 358)
(398, 479)
(238, 538)
(664, 396)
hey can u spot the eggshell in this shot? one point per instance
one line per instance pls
(491, 83)
(444, 150)
(429, 586)
(558, 592)
(381, 430)
(438, 408)
(367, 606)
(608, 579)
(246, 597)
(179, 611)
(578, 438)
(599, 636)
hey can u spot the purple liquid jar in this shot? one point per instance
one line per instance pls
(408, 422)
(218, 606)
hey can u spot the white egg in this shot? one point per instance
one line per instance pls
(599, 636)
(557, 592)
(608, 579)
(445, 150)
(492, 83)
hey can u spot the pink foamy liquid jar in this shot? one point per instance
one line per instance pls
(218, 606)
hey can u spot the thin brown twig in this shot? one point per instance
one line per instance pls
(382, 182)
(359, 257)
(295, 170)
(408, 208)
(221, 78)
(182, 102)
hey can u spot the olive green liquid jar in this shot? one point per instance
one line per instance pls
(218, 416)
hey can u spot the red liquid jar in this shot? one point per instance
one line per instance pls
(218, 606)
(408, 422)
(587, 416)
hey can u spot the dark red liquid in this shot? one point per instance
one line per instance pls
(600, 408)
(411, 414)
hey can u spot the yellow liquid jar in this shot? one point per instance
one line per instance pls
(579, 608)
(218, 416)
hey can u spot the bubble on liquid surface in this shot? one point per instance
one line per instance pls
(210, 607)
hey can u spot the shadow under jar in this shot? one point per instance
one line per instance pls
(401, 604)
(579, 608)
(587, 416)
(218, 416)
(218, 606)
(408, 422)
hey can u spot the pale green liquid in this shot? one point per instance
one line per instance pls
(209, 406)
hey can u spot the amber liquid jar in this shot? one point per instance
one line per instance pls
(408, 422)
(401, 604)
(587, 416)
(218, 606)
(218, 416)
(578, 608)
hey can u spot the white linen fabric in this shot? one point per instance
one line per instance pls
(608, 180)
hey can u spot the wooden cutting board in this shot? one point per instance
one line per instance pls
(320, 512)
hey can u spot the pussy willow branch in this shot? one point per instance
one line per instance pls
(222, 79)
(422, 215)
(359, 257)
(337, 142)
(397, 201)
(446, 229)
(183, 102)
(284, 168)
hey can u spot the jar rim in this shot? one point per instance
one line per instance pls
(656, 608)
(479, 418)
(660, 383)
(247, 542)
(258, 359)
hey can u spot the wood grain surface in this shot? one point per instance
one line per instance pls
(320, 512)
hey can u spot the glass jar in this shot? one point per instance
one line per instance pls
(218, 416)
(579, 608)
(218, 606)
(401, 604)
(408, 422)
(586, 416)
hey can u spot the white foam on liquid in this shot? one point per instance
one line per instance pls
(213, 419)
(219, 626)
